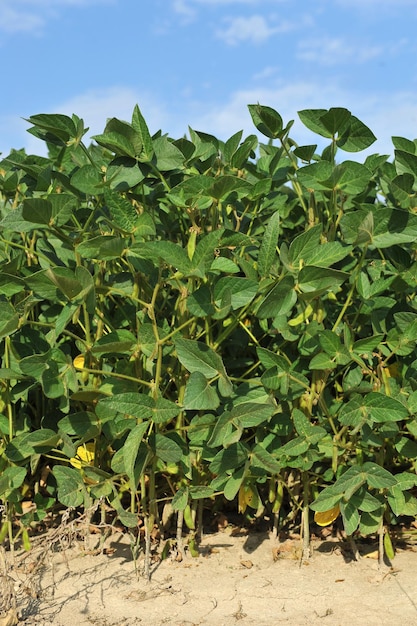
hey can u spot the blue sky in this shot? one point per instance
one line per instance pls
(200, 62)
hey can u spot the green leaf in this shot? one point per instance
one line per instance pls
(10, 479)
(351, 517)
(400, 143)
(223, 186)
(51, 381)
(54, 125)
(328, 254)
(312, 118)
(223, 430)
(88, 179)
(312, 433)
(82, 424)
(168, 156)
(371, 522)
(268, 250)
(205, 251)
(199, 303)
(357, 136)
(250, 414)
(116, 143)
(196, 356)
(314, 281)
(71, 490)
(123, 174)
(364, 501)
(180, 499)
(141, 128)
(377, 476)
(126, 131)
(164, 410)
(322, 362)
(10, 285)
(173, 254)
(234, 483)
(266, 120)
(242, 291)
(294, 447)
(262, 458)
(199, 394)
(128, 519)
(244, 152)
(64, 279)
(351, 177)
(280, 300)
(136, 405)
(228, 460)
(121, 210)
(119, 342)
(131, 449)
(335, 120)
(9, 319)
(305, 153)
(303, 245)
(198, 492)
(167, 449)
(382, 408)
(103, 247)
(405, 162)
(37, 210)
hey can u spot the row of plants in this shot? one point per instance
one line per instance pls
(192, 320)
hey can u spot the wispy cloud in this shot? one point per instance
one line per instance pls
(386, 114)
(334, 50)
(32, 15)
(266, 73)
(95, 107)
(363, 4)
(188, 9)
(255, 29)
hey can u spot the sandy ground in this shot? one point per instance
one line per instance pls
(240, 578)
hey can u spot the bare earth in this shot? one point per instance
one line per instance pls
(242, 579)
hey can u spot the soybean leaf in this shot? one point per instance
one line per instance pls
(199, 394)
(268, 250)
(141, 128)
(266, 120)
(196, 356)
(130, 451)
(71, 490)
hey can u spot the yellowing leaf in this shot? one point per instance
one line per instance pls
(248, 496)
(324, 518)
(79, 362)
(388, 547)
(85, 455)
(242, 500)
(393, 370)
(302, 317)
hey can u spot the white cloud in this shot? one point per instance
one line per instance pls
(183, 8)
(333, 51)
(254, 28)
(266, 73)
(188, 8)
(363, 4)
(386, 114)
(14, 20)
(32, 15)
(94, 107)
